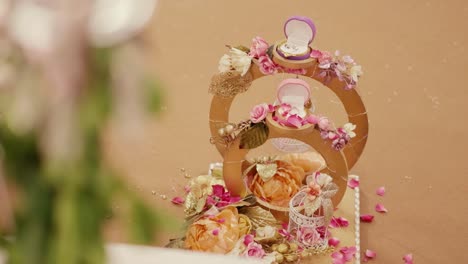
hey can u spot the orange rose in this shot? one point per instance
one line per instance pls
(280, 188)
(218, 234)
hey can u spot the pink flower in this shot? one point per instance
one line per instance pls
(316, 54)
(369, 255)
(271, 108)
(308, 236)
(177, 200)
(254, 250)
(380, 208)
(323, 123)
(258, 48)
(248, 239)
(220, 197)
(348, 252)
(353, 183)
(313, 190)
(337, 222)
(259, 113)
(408, 258)
(325, 60)
(215, 232)
(267, 66)
(367, 218)
(339, 143)
(284, 232)
(380, 191)
(333, 242)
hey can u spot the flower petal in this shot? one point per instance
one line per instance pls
(408, 258)
(380, 191)
(380, 208)
(370, 254)
(337, 222)
(294, 121)
(353, 183)
(333, 242)
(177, 200)
(367, 218)
(338, 258)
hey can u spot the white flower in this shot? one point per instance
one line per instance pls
(265, 232)
(237, 60)
(224, 63)
(355, 72)
(349, 127)
(323, 179)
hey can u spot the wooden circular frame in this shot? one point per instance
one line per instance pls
(338, 162)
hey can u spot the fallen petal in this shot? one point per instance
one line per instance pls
(370, 254)
(408, 258)
(380, 208)
(338, 258)
(177, 200)
(333, 242)
(337, 222)
(367, 218)
(353, 183)
(348, 252)
(380, 191)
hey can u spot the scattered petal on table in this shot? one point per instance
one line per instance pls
(408, 258)
(337, 258)
(348, 252)
(178, 200)
(380, 208)
(353, 183)
(367, 218)
(370, 254)
(380, 191)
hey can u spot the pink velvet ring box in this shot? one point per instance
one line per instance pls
(300, 32)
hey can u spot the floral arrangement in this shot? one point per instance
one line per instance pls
(254, 131)
(220, 222)
(239, 60)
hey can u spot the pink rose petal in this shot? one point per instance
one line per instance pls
(333, 242)
(380, 191)
(408, 258)
(338, 258)
(337, 222)
(380, 208)
(215, 232)
(348, 252)
(177, 200)
(367, 218)
(353, 183)
(369, 255)
(294, 121)
(248, 239)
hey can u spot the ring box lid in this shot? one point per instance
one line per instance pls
(299, 31)
(294, 92)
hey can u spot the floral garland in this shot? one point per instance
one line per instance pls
(254, 131)
(240, 58)
(219, 222)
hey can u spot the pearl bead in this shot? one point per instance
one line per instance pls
(229, 129)
(221, 132)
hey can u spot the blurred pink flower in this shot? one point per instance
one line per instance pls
(367, 218)
(408, 258)
(308, 236)
(254, 250)
(266, 65)
(258, 48)
(259, 113)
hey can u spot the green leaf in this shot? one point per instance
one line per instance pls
(254, 137)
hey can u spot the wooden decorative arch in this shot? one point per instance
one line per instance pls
(338, 162)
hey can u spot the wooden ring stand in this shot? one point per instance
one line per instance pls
(338, 162)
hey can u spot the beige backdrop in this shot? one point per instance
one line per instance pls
(415, 64)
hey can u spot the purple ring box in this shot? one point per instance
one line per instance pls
(300, 31)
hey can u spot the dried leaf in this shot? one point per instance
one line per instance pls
(259, 216)
(254, 137)
(176, 243)
(243, 48)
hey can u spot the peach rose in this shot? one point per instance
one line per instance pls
(218, 233)
(278, 190)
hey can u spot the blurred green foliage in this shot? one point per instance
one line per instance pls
(64, 208)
